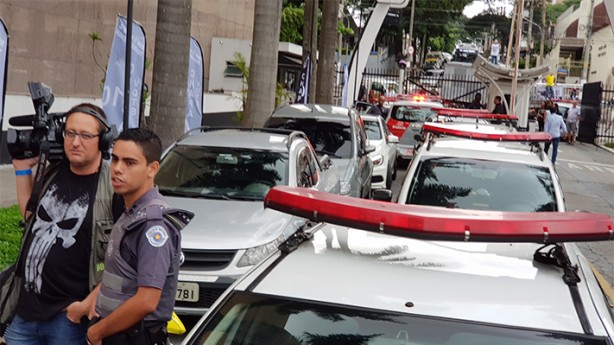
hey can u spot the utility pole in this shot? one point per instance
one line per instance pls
(516, 58)
(543, 36)
(508, 53)
(527, 59)
(587, 44)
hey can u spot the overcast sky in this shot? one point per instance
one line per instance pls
(478, 6)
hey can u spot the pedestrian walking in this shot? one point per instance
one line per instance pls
(495, 50)
(554, 125)
(573, 115)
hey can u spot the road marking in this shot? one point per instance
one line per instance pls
(605, 285)
(586, 163)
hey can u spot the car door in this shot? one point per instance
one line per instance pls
(391, 148)
(365, 165)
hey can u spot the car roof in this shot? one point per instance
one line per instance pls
(366, 117)
(319, 111)
(257, 139)
(485, 282)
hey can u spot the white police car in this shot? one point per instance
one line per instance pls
(489, 278)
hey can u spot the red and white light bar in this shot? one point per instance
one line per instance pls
(437, 223)
(481, 135)
(474, 113)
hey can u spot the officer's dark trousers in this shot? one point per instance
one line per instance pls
(139, 334)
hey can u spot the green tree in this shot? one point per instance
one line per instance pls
(170, 70)
(486, 22)
(553, 11)
(291, 29)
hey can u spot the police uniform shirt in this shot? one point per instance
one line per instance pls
(152, 249)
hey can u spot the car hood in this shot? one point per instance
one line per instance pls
(229, 224)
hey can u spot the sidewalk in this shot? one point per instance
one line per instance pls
(8, 195)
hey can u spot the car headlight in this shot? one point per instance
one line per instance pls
(254, 255)
(345, 188)
(378, 160)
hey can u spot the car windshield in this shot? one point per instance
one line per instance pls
(253, 319)
(199, 171)
(333, 138)
(482, 185)
(373, 130)
(411, 113)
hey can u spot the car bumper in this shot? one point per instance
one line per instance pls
(405, 151)
(378, 180)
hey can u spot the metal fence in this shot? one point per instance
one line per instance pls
(456, 91)
(605, 127)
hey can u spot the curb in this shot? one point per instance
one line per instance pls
(605, 148)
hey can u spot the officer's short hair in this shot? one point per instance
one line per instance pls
(149, 142)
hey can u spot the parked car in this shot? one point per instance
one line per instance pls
(405, 120)
(335, 131)
(498, 170)
(395, 282)
(385, 154)
(222, 176)
(432, 78)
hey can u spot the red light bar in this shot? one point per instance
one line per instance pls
(515, 136)
(474, 113)
(437, 223)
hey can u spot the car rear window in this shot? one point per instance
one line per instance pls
(333, 138)
(194, 171)
(411, 113)
(482, 185)
(248, 318)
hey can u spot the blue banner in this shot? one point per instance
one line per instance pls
(113, 94)
(194, 105)
(4, 59)
(302, 94)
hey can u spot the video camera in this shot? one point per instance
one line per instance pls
(46, 132)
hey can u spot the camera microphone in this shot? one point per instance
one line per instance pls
(23, 120)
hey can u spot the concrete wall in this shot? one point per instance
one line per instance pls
(602, 57)
(49, 39)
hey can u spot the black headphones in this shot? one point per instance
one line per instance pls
(106, 138)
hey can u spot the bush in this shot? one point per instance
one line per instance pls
(10, 235)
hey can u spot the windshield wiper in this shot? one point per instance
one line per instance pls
(168, 192)
(332, 154)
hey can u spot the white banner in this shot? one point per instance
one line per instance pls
(194, 105)
(4, 56)
(113, 94)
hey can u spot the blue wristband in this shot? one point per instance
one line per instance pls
(23, 172)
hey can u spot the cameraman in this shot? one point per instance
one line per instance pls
(62, 256)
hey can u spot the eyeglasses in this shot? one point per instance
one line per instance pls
(83, 136)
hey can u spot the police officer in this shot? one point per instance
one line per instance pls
(136, 297)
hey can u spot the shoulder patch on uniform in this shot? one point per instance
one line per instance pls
(156, 235)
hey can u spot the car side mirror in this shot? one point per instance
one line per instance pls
(325, 162)
(382, 194)
(393, 139)
(369, 149)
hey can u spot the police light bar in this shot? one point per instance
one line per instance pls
(438, 223)
(482, 135)
(474, 113)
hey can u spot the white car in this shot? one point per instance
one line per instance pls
(473, 278)
(498, 170)
(385, 154)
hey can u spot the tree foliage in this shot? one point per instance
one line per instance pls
(553, 11)
(486, 21)
(292, 24)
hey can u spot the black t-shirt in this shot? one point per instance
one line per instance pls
(55, 269)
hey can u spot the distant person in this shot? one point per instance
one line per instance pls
(499, 108)
(550, 86)
(573, 115)
(555, 125)
(477, 102)
(391, 92)
(574, 91)
(379, 109)
(495, 50)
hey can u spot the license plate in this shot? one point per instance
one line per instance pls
(187, 292)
